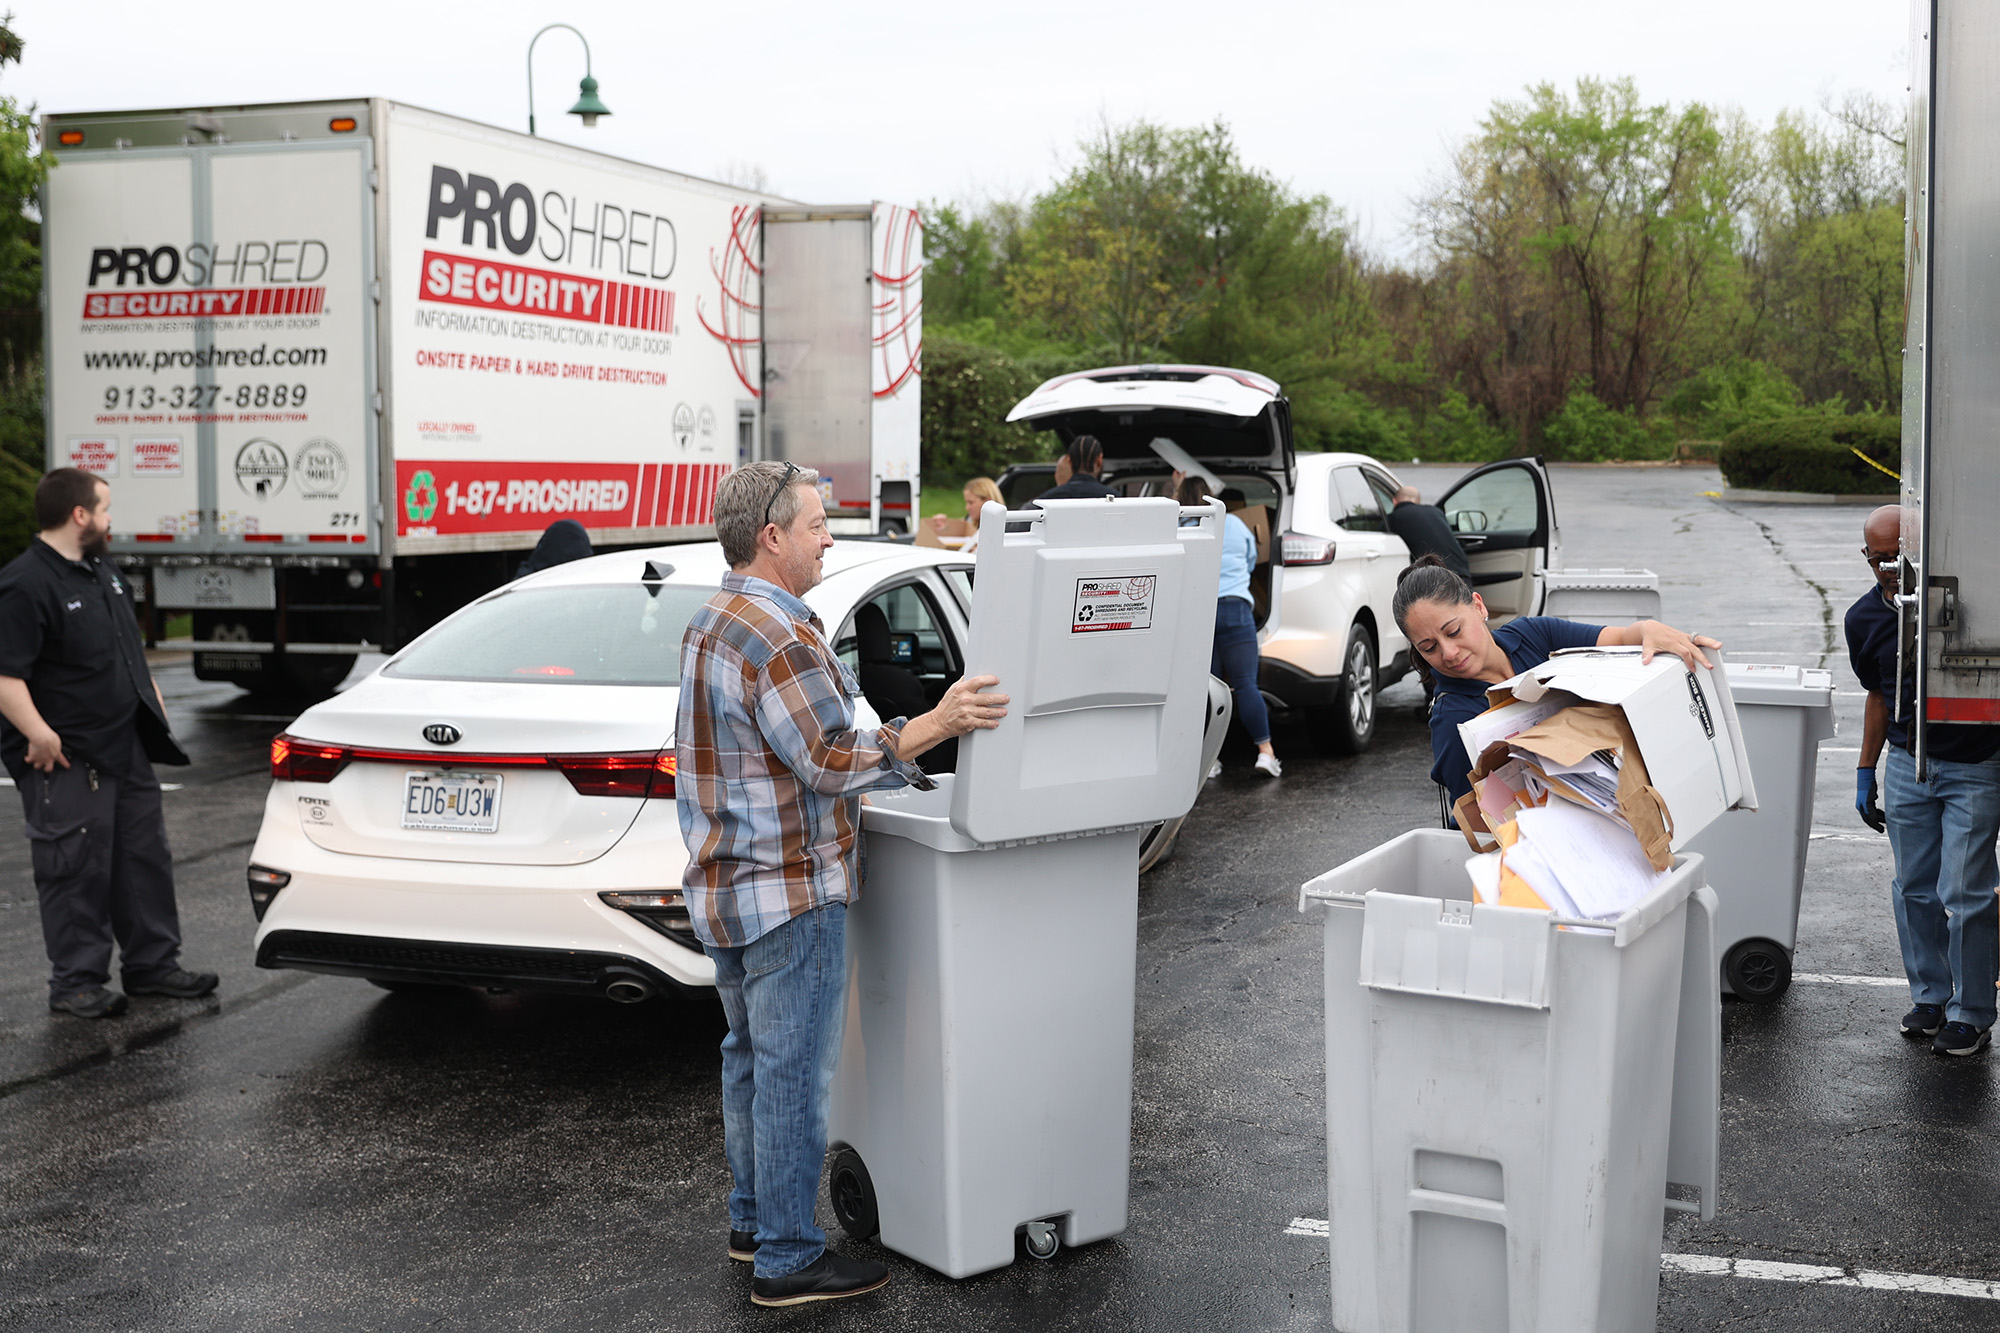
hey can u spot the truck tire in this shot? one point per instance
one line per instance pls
(1349, 726)
(309, 678)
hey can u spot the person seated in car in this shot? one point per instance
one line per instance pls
(1085, 457)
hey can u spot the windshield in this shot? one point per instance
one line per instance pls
(589, 634)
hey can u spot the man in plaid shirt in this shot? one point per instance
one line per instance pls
(771, 771)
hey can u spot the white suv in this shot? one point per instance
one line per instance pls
(1327, 563)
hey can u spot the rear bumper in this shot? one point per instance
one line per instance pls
(1298, 688)
(506, 967)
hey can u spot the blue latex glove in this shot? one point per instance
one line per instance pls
(1868, 801)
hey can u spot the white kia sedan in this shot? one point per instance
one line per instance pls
(495, 806)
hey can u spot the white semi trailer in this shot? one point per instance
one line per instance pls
(1951, 367)
(343, 362)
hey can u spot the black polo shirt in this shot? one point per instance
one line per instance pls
(67, 627)
(1871, 651)
(1083, 486)
(1425, 530)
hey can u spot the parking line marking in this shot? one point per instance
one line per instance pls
(1847, 979)
(1766, 1270)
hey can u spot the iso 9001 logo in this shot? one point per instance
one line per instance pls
(683, 425)
(261, 468)
(321, 470)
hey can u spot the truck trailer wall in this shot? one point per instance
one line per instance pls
(566, 336)
(209, 343)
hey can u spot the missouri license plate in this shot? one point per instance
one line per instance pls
(459, 802)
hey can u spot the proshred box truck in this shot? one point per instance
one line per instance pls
(344, 362)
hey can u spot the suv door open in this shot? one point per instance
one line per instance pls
(1505, 519)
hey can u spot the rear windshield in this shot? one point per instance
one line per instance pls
(588, 634)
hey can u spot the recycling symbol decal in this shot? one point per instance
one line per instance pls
(420, 501)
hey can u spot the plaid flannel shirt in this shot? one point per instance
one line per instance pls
(770, 767)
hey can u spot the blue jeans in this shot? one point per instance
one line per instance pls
(785, 995)
(1947, 916)
(1234, 658)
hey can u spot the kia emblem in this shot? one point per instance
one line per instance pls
(441, 733)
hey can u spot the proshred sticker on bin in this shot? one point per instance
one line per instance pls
(1113, 604)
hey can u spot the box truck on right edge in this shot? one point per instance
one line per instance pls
(1950, 602)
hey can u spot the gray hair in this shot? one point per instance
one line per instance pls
(746, 495)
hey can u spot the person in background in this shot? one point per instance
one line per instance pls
(1424, 530)
(1234, 656)
(772, 771)
(979, 491)
(1941, 830)
(1085, 457)
(1445, 621)
(84, 723)
(561, 542)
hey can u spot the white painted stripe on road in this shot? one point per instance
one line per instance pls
(1846, 979)
(1766, 1270)
(1819, 1275)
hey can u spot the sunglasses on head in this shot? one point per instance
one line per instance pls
(791, 470)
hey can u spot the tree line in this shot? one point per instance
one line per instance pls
(1594, 276)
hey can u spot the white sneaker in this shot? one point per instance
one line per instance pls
(1268, 765)
(1214, 771)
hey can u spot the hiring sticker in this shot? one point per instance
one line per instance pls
(1113, 604)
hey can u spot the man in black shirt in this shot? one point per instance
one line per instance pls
(1424, 530)
(80, 721)
(1941, 830)
(1085, 457)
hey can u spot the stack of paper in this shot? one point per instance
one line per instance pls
(1568, 859)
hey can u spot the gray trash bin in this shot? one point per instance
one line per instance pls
(985, 1084)
(1511, 1099)
(1757, 858)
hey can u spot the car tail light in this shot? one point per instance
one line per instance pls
(1296, 548)
(264, 885)
(638, 773)
(295, 760)
(665, 911)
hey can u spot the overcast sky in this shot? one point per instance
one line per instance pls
(844, 102)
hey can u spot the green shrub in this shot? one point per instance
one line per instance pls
(1716, 400)
(968, 391)
(1814, 454)
(1456, 431)
(1586, 430)
(17, 505)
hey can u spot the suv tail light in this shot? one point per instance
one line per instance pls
(1296, 548)
(640, 773)
(295, 760)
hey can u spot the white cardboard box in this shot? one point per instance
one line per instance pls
(1685, 723)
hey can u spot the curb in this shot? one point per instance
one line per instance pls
(1731, 494)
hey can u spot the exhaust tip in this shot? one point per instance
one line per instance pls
(628, 988)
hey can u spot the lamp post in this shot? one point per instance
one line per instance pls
(587, 104)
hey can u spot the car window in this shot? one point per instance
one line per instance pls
(588, 634)
(1354, 504)
(1500, 501)
(960, 579)
(917, 640)
(1385, 494)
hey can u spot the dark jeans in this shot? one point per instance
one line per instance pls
(785, 995)
(1234, 658)
(102, 871)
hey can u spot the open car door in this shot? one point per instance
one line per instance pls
(1505, 519)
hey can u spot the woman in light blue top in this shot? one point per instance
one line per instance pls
(1234, 657)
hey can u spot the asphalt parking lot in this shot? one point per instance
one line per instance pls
(312, 1153)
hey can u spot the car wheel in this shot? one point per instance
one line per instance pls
(1158, 843)
(1349, 726)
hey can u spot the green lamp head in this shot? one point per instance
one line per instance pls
(587, 104)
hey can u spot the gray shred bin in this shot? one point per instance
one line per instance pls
(1757, 858)
(985, 1083)
(1510, 1103)
(1602, 596)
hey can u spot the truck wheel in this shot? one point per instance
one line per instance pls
(853, 1196)
(1757, 970)
(1349, 726)
(309, 678)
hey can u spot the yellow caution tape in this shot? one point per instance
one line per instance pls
(1872, 463)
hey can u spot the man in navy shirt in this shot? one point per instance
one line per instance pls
(1941, 830)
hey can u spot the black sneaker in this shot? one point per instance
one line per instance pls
(1961, 1039)
(827, 1278)
(742, 1245)
(180, 983)
(1923, 1021)
(90, 1002)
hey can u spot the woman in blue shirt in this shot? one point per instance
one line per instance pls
(1445, 622)
(1234, 657)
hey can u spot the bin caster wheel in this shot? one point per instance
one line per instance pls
(853, 1196)
(1042, 1242)
(1757, 970)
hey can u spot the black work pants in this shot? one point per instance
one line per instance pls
(102, 871)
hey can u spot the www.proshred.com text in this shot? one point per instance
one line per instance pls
(201, 358)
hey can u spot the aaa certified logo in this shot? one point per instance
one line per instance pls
(420, 501)
(321, 469)
(683, 425)
(261, 469)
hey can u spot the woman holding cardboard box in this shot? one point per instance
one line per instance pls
(1446, 623)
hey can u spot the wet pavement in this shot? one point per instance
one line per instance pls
(312, 1153)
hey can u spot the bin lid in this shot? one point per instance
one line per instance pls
(1098, 617)
(1772, 683)
(1620, 580)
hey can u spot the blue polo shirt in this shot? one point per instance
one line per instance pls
(1527, 642)
(1871, 651)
